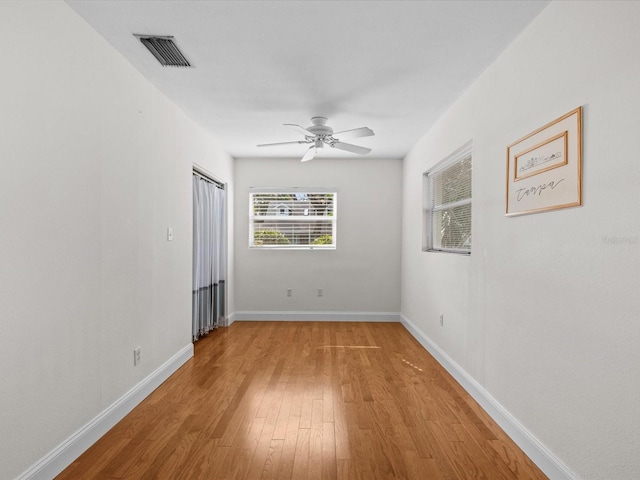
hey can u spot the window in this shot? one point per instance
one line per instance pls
(447, 204)
(292, 218)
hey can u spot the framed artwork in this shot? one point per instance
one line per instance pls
(544, 169)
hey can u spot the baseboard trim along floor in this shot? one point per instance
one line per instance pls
(64, 454)
(316, 316)
(530, 445)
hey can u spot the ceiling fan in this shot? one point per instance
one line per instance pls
(320, 134)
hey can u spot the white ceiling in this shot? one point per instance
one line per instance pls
(394, 66)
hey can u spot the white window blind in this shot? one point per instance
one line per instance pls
(292, 219)
(447, 204)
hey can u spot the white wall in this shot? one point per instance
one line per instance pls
(545, 313)
(361, 275)
(95, 165)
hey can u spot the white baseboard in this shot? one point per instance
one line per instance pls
(64, 454)
(530, 445)
(316, 316)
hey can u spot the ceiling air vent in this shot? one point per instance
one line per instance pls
(164, 49)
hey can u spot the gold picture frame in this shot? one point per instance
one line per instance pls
(544, 168)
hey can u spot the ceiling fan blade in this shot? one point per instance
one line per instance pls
(301, 128)
(281, 143)
(351, 148)
(310, 154)
(356, 132)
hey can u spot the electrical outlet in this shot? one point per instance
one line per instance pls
(320, 292)
(136, 355)
(442, 319)
(289, 292)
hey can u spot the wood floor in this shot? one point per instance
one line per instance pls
(293, 400)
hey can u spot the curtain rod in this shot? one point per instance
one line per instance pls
(207, 178)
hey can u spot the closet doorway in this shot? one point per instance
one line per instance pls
(209, 254)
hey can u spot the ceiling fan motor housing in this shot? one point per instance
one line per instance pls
(320, 127)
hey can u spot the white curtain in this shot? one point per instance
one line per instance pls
(209, 256)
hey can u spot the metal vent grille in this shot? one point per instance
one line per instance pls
(165, 50)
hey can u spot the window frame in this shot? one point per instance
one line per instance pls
(461, 154)
(302, 218)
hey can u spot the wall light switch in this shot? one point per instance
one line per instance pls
(169, 234)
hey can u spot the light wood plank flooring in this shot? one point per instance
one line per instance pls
(301, 400)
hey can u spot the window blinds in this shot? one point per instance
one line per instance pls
(292, 219)
(447, 202)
